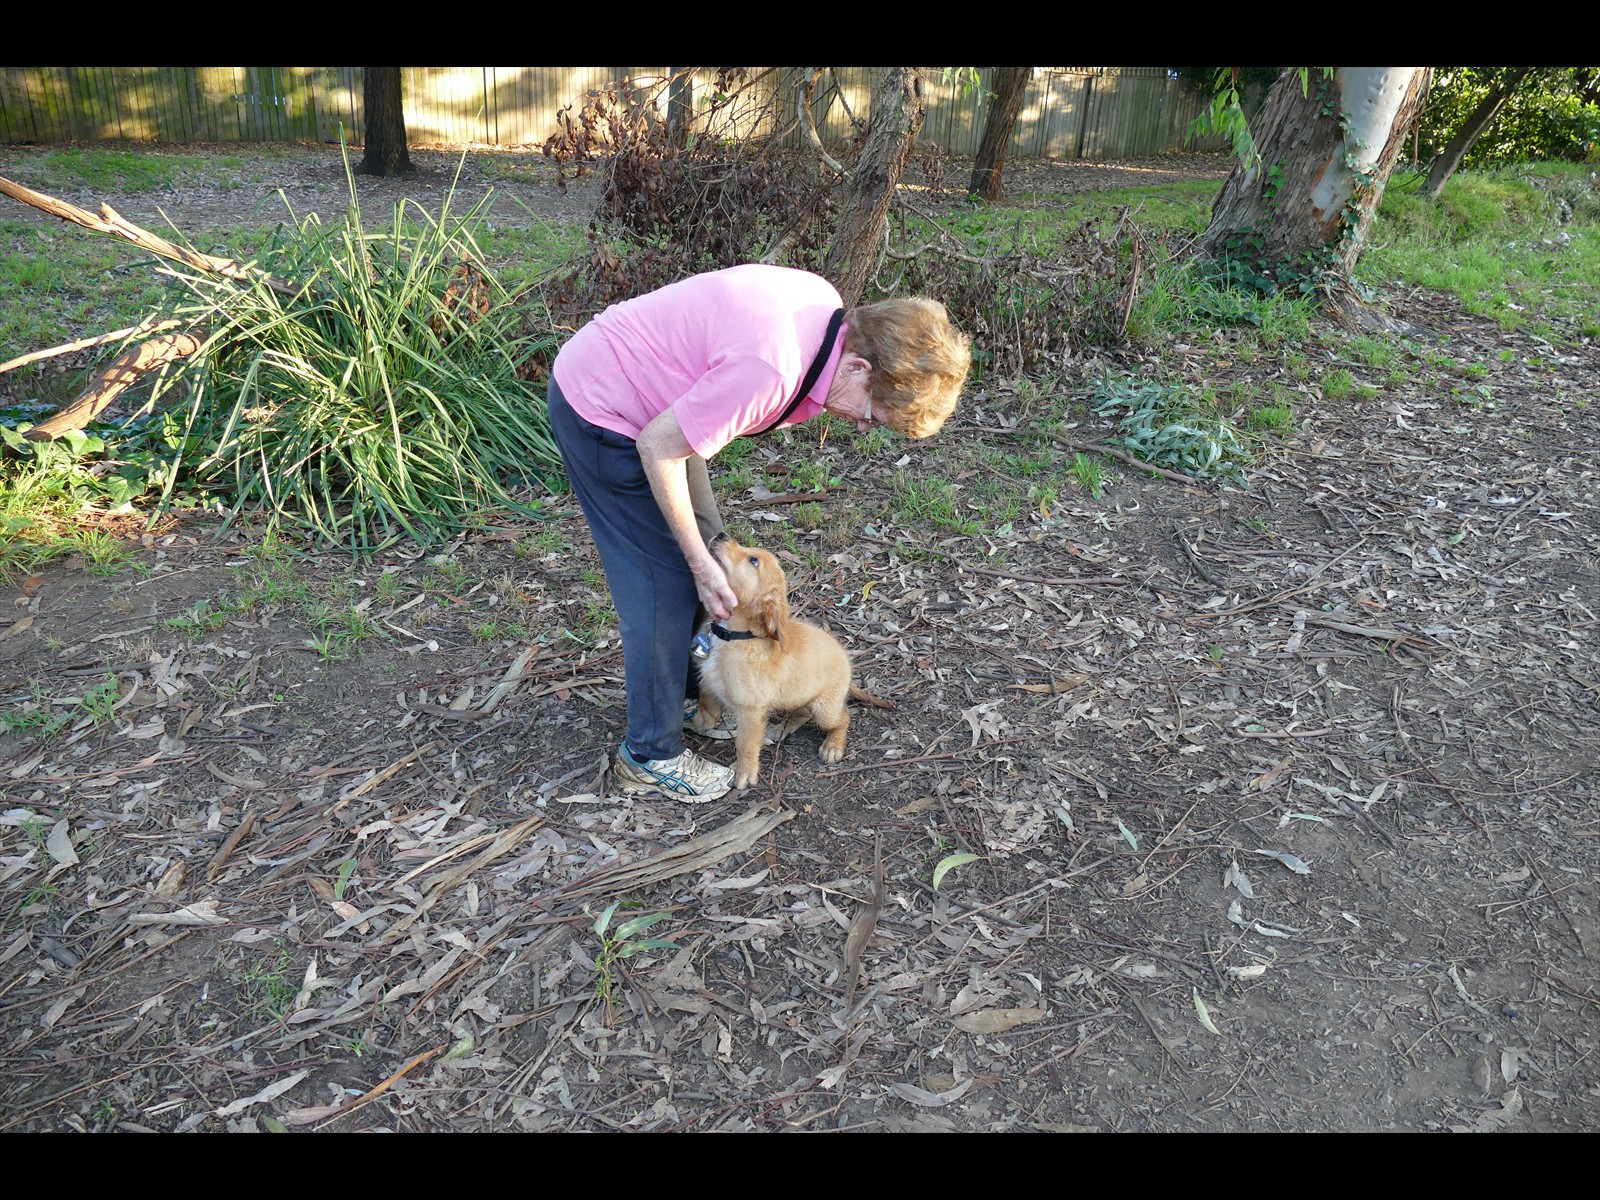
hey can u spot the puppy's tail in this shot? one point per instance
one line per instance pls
(866, 697)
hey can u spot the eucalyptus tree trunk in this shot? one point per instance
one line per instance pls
(892, 128)
(385, 144)
(1010, 85)
(1326, 152)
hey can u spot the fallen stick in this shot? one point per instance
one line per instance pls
(116, 335)
(1124, 456)
(127, 369)
(112, 222)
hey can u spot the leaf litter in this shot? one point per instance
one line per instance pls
(273, 890)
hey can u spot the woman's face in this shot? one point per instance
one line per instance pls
(850, 395)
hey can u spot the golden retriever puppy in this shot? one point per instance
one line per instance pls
(771, 662)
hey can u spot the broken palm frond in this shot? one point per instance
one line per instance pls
(501, 844)
(738, 836)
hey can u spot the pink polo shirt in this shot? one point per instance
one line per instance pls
(726, 351)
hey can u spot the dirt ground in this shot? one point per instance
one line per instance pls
(1284, 798)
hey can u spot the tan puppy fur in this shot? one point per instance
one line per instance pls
(789, 666)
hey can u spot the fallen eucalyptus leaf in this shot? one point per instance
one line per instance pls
(59, 843)
(949, 863)
(270, 1092)
(927, 1099)
(1235, 878)
(997, 1020)
(1294, 864)
(1205, 1013)
(1132, 841)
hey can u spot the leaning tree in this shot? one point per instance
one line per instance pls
(1297, 211)
(1005, 105)
(893, 122)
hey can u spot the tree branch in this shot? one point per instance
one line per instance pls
(803, 111)
(127, 369)
(112, 222)
(116, 335)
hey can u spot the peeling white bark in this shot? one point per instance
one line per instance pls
(1370, 98)
(1323, 167)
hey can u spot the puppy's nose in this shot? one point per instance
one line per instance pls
(719, 539)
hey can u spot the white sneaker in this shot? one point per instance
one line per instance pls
(688, 777)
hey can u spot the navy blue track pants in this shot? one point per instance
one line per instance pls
(651, 585)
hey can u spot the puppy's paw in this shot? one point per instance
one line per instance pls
(742, 781)
(831, 751)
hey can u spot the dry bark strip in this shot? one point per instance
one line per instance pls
(101, 339)
(855, 943)
(738, 836)
(112, 222)
(127, 369)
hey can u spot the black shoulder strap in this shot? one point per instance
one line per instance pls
(811, 376)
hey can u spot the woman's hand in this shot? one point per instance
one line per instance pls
(715, 593)
(663, 451)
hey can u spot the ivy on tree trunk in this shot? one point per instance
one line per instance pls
(1327, 144)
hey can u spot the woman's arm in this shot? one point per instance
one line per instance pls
(663, 451)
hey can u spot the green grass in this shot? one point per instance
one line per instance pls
(1271, 417)
(1519, 245)
(100, 700)
(1340, 385)
(29, 714)
(205, 616)
(269, 985)
(932, 501)
(1090, 474)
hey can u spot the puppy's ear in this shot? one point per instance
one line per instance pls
(772, 610)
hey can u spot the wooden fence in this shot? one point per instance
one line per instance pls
(1069, 112)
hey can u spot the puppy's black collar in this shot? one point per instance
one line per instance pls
(731, 635)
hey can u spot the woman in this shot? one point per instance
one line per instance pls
(651, 388)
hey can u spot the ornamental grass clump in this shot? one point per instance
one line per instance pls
(363, 385)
